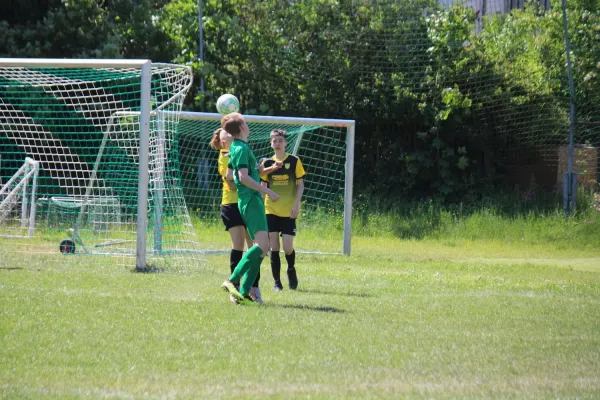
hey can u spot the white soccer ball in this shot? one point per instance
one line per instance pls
(227, 104)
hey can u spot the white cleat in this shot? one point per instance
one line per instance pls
(255, 295)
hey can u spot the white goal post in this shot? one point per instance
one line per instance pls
(38, 97)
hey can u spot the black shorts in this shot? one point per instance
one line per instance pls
(230, 214)
(285, 225)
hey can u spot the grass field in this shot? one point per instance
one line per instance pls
(453, 314)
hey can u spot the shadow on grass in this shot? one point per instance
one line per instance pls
(148, 269)
(11, 268)
(308, 308)
(362, 295)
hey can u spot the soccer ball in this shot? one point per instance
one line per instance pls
(227, 104)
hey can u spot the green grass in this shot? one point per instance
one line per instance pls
(433, 302)
(509, 224)
(400, 318)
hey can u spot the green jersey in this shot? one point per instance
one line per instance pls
(240, 156)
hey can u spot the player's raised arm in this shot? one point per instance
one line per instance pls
(252, 184)
(264, 171)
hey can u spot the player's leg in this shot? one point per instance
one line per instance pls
(255, 288)
(260, 248)
(237, 234)
(272, 222)
(239, 238)
(249, 242)
(288, 232)
(252, 211)
(255, 291)
(234, 224)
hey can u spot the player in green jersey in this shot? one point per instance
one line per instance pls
(250, 203)
(230, 213)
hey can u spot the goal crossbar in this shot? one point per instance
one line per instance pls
(66, 63)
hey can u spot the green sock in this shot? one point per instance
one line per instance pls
(247, 262)
(249, 278)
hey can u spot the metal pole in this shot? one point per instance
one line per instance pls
(298, 141)
(568, 184)
(36, 169)
(158, 167)
(348, 188)
(142, 206)
(265, 119)
(24, 204)
(201, 32)
(69, 63)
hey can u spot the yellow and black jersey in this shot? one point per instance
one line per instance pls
(230, 195)
(284, 182)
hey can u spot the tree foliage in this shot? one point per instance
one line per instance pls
(437, 103)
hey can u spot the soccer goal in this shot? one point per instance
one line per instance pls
(324, 146)
(103, 133)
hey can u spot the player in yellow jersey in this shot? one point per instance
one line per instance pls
(230, 213)
(288, 182)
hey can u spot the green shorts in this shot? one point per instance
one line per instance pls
(253, 214)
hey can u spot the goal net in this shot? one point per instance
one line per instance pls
(454, 95)
(425, 55)
(103, 135)
(326, 150)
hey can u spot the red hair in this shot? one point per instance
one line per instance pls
(232, 123)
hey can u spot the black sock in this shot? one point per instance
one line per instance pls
(276, 267)
(291, 270)
(255, 284)
(234, 259)
(291, 260)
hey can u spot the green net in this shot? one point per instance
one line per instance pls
(82, 127)
(322, 151)
(469, 94)
(454, 96)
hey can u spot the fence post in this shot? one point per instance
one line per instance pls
(570, 181)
